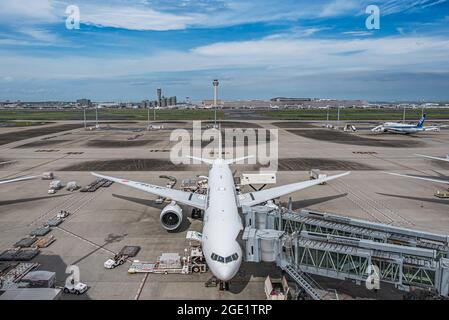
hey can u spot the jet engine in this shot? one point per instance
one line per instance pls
(171, 217)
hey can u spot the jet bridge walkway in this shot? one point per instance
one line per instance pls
(343, 248)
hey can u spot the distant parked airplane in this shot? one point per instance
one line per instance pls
(395, 127)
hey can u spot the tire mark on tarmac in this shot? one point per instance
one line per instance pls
(36, 166)
(376, 209)
(362, 203)
(398, 164)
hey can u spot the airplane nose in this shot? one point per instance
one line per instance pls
(225, 273)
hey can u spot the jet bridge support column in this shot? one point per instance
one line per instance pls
(262, 245)
(442, 276)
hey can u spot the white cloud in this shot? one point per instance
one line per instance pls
(339, 7)
(176, 14)
(149, 16)
(396, 6)
(358, 33)
(298, 56)
(134, 18)
(39, 34)
(27, 11)
(296, 32)
(156, 15)
(400, 30)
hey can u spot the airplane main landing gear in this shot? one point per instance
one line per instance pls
(196, 213)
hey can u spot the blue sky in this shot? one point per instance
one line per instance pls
(260, 49)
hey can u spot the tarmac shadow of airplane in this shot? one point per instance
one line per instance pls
(310, 202)
(439, 201)
(19, 201)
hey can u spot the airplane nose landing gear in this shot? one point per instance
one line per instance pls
(224, 286)
(214, 282)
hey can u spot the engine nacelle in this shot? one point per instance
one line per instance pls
(171, 217)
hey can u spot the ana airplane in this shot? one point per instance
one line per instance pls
(395, 127)
(423, 178)
(222, 223)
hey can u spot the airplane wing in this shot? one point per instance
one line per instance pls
(419, 178)
(18, 179)
(187, 198)
(254, 198)
(435, 158)
(379, 128)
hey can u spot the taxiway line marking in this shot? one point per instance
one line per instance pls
(142, 284)
(86, 240)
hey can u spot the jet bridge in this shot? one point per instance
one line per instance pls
(344, 248)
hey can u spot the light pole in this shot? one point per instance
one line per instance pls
(96, 117)
(338, 117)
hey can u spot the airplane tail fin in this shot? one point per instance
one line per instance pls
(208, 161)
(421, 122)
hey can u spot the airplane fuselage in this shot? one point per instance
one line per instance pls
(393, 127)
(222, 223)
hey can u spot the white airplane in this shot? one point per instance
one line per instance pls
(395, 127)
(423, 178)
(222, 222)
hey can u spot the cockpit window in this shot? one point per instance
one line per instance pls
(221, 259)
(214, 257)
